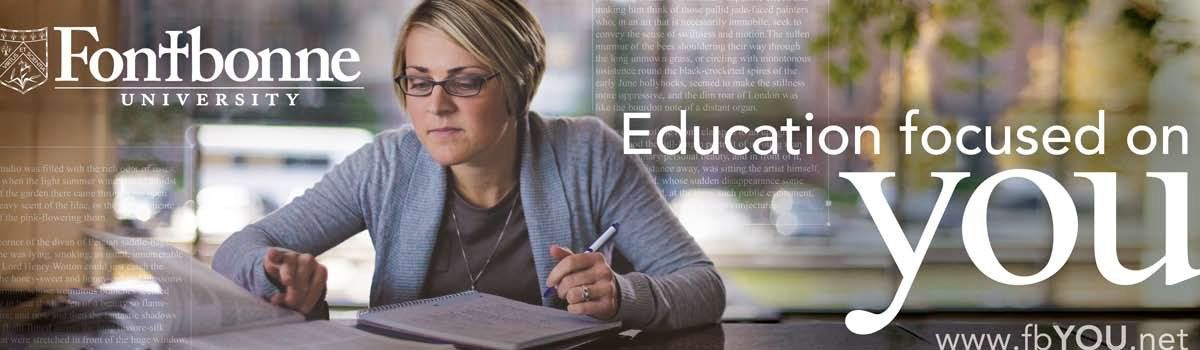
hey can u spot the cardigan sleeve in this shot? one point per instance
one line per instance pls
(323, 216)
(674, 285)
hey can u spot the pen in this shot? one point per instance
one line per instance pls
(599, 243)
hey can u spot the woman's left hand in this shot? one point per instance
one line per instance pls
(585, 281)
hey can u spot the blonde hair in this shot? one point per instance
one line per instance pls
(502, 34)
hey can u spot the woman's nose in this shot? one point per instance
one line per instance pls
(440, 103)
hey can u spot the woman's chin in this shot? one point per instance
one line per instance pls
(448, 158)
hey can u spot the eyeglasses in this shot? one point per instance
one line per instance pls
(461, 86)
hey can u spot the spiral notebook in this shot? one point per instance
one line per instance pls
(482, 320)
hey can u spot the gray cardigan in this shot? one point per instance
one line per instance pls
(574, 181)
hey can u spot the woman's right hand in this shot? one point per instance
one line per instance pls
(300, 275)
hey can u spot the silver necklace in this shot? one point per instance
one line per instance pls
(473, 277)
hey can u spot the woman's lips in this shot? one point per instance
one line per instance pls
(444, 132)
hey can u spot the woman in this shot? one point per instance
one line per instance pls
(478, 192)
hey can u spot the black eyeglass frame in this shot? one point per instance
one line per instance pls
(400, 82)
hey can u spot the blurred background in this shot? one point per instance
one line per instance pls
(794, 239)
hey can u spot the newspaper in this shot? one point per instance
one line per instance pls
(203, 310)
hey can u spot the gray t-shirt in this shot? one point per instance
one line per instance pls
(510, 273)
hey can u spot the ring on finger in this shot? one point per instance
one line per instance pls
(587, 294)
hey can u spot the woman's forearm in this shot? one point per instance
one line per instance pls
(676, 285)
(326, 214)
(311, 223)
(688, 297)
(240, 259)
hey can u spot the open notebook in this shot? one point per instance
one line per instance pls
(482, 320)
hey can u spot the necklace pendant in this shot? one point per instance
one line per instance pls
(473, 277)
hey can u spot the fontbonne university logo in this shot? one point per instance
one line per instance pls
(23, 59)
(23, 67)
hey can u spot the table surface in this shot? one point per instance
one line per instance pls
(807, 335)
(918, 333)
(1075, 333)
